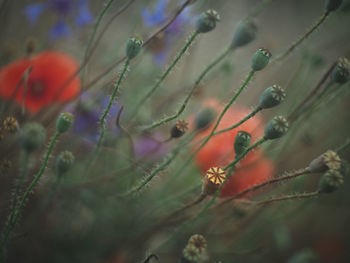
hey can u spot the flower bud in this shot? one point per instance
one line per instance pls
(212, 180)
(340, 73)
(198, 241)
(326, 161)
(64, 162)
(207, 21)
(242, 142)
(260, 59)
(179, 129)
(271, 97)
(276, 128)
(32, 136)
(330, 181)
(332, 5)
(64, 122)
(245, 32)
(204, 118)
(190, 254)
(10, 125)
(133, 47)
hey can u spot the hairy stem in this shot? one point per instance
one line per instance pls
(287, 197)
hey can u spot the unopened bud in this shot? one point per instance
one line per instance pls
(260, 59)
(133, 47)
(245, 32)
(207, 21)
(204, 118)
(64, 162)
(64, 122)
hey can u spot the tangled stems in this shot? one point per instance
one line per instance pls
(165, 74)
(15, 214)
(105, 113)
(300, 40)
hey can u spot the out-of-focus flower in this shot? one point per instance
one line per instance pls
(159, 45)
(47, 72)
(150, 146)
(219, 151)
(79, 9)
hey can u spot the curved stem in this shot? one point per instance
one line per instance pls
(165, 74)
(111, 100)
(26, 194)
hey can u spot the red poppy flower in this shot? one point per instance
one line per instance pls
(49, 71)
(219, 151)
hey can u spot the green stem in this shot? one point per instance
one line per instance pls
(300, 40)
(26, 194)
(250, 115)
(344, 146)
(165, 74)
(287, 197)
(105, 113)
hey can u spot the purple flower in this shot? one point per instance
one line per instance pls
(160, 45)
(62, 8)
(150, 146)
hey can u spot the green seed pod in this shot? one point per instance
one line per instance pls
(305, 256)
(330, 181)
(204, 118)
(133, 47)
(190, 254)
(341, 71)
(64, 122)
(271, 97)
(32, 136)
(260, 59)
(64, 162)
(332, 5)
(207, 21)
(276, 128)
(245, 32)
(242, 142)
(179, 129)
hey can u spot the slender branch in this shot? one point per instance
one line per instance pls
(116, 88)
(165, 74)
(287, 197)
(124, 130)
(344, 146)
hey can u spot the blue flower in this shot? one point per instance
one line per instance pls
(62, 8)
(160, 45)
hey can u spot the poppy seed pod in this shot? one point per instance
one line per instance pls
(244, 33)
(64, 122)
(276, 128)
(32, 136)
(326, 161)
(242, 142)
(64, 162)
(133, 47)
(341, 72)
(204, 118)
(271, 97)
(179, 129)
(260, 59)
(207, 21)
(190, 254)
(330, 181)
(10, 124)
(198, 241)
(332, 5)
(212, 180)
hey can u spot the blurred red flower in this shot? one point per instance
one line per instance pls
(47, 72)
(219, 151)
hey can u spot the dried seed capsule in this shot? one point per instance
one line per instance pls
(198, 241)
(179, 129)
(341, 71)
(260, 59)
(64, 162)
(276, 128)
(332, 5)
(32, 136)
(212, 180)
(271, 97)
(204, 118)
(133, 47)
(245, 32)
(326, 161)
(242, 142)
(190, 254)
(64, 122)
(207, 21)
(10, 125)
(330, 181)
